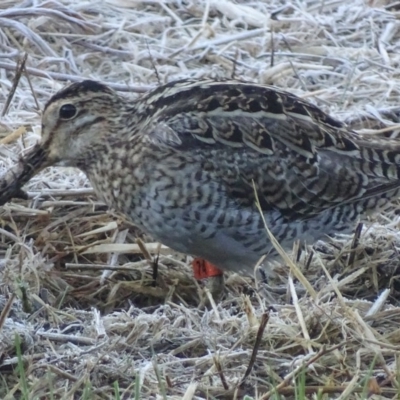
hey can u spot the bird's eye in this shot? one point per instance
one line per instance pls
(67, 111)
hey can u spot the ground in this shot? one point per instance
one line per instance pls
(81, 315)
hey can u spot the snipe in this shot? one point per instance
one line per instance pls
(181, 163)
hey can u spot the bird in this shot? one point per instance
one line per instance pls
(204, 165)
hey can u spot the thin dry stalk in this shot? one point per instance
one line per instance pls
(19, 69)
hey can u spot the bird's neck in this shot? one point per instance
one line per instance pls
(108, 166)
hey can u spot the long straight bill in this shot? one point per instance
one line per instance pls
(13, 180)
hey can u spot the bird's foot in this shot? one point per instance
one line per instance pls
(210, 275)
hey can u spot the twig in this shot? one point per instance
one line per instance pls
(296, 271)
(32, 90)
(354, 244)
(271, 64)
(233, 74)
(6, 310)
(18, 72)
(74, 78)
(97, 267)
(59, 337)
(220, 373)
(155, 266)
(260, 333)
(153, 64)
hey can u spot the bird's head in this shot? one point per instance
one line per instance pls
(74, 121)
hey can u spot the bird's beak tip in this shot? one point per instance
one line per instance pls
(13, 180)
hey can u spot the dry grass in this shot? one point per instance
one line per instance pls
(89, 316)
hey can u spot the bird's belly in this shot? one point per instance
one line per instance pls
(230, 236)
(227, 246)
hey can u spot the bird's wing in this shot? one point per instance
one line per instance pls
(300, 160)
